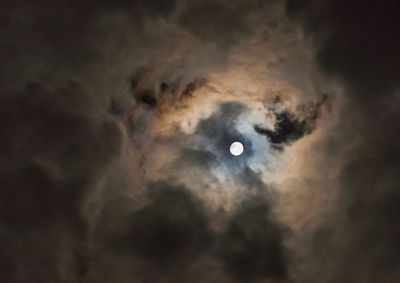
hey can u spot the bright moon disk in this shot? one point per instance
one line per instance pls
(236, 148)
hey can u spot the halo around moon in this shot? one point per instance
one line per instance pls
(236, 148)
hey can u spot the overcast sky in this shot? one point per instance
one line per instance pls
(117, 120)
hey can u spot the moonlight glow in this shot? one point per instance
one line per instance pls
(236, 148)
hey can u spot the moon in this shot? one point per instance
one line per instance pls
(236, 148)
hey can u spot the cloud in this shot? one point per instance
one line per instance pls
(358, 43)
(358, 48)
(87, 190)
(115, 160)
(252, 244)
(54, 152)
(174, 232)
(219, 132)
(198, 158)
(288, 128)
(171, 228)
(224, 23)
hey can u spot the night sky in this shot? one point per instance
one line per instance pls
(117, 118)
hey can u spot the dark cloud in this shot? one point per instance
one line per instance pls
(142, 87)
(359, 42)
(174, 231)
(192, 86)
(289, 128)
(192, 157)
(54, 152)
(359, 46)
(252, 244)
(172, 228)
(146, 88)
(253, 181)
(147, 97)
(116, 108)
(68, 213)
(47, 40)
(222, 22)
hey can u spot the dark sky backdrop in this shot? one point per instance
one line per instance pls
(116, 121)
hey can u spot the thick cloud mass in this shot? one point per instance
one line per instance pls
(252, 244)
(117, 120)
(54, 151)
(359, 47)
(173, 226)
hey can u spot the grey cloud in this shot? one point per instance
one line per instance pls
(54, 151)
(252, 244)
(192, 86)
(289, 128)
(224, 22)
(60, 141)
(172, 228)
(198, 158)
(358, 45)
(148, 90)
(173, 233)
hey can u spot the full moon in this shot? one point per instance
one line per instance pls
(236, 148)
